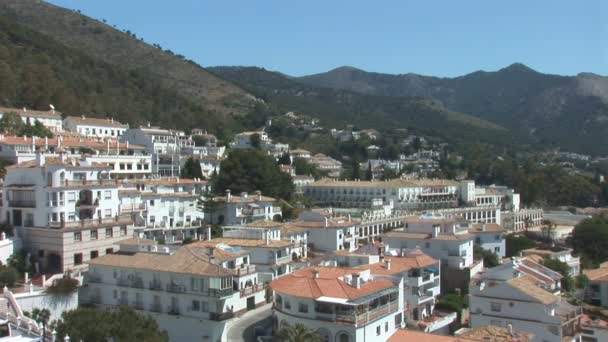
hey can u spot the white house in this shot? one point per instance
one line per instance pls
(562, 254)
(51, 119)
(597, 289)
(65, 210)
(243, 140)
(94, 127)
(245, 208)
(326, 233)
(339, 303)
(446, 239)
(193, 292)
(519, 302)
(491, 237)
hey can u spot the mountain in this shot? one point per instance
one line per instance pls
(560, 111)
(337, 107)
(148, 83)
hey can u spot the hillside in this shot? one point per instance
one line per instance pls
(338, 107)
(564, 111)
(196, 88)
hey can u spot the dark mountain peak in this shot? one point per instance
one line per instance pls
(517, 67)
(345, 69)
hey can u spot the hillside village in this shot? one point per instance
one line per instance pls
(111, 215)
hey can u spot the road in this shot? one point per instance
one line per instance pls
(243, 328)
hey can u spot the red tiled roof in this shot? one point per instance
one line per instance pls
(303, 284)
(402, 335)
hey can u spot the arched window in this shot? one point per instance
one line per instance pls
(342, 337)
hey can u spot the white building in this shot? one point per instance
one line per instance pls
(193, 292)
(246, 208)
(243, 140)
(562, 254)
(594, 330)
(340, 304)
(210, 166)
(597, 290)
(94, 127)
(517, 301)
(445, 239)
(66, 211)
(327, 164)
(165, 208)
(300, 181)
(326, 233)
(300, 153)
(50, 119)
(491, 237)
(164, 145)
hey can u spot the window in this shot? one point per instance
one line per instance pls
(115, 294)
(109, 250)
(497, 237)
(497, 250)
(77, 236)
(427, 245)
(107, 194)
(398, 319)
(94, 254)
(108, 232)
(303, 308)
(204, 306)
(71, 217)
(107, 213)
(194, 284)
(40, 253)
(123, 231)
(378, 330)
(385, 326)
(78, 259)
(196, 305)
(94, 234)
(287, 304)
(71, 196)
(495, 307)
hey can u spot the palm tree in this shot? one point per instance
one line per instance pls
(298, 333)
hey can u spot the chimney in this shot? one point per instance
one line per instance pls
(356, 282)
(315, 274)
(510, 327)
(348, 217)
(388, 264)
(259, 194)
(83, 117)
(243, 195)
(228, 195)
(326, 222)
(209, 233)
(40, 159)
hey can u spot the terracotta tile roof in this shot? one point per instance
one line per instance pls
(251, 198)
(186, 260)
(245, 243)
(136, 242)
(331, 223)
(30, 112)
(166, 181)
(421, 236)
(68, 142)
(536, 268)
(528, 286)
(400, 264)
(303, 284)
(56, 161)
(596, 323)
(496, 334)
(264, 224)
(79, 120)
(402, 335)
(598, 274)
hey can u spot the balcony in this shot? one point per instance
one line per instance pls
(156, 307)
(95, 299)
(122, 301)
(93, 278)
(173, 310)
(370, 315)
(176, 288)
(220, 293)
(117, 220)
(282, 260)
(88, 203)
(156, 285)
(138, 305)
(22, 203)
(251, 290)
(243, 271)
(214, 316)
(87, 182)
(128, 208)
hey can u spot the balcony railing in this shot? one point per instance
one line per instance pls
(133, 207)
(245, 270)
(156, 285)
(95, 299)
(22, 203)
(138, 305)
(283, 260)
(254, 289)
(214, 316)
(176, 288)
(368, 316)
(173, 310)
(156, 307)
(89, 182)
(118, 220)
(220, 292)
(93, 278)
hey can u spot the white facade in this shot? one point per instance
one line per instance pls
(94, 127)
(242, 209)
(50, 119)
(490, 237)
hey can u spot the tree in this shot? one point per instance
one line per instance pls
(356, 170)
(490, 259)
(389, 173)
(255, 140)
(8, 276)
(123, 324)
(192, 169)
(305, 168)
(590, 240)
(11, 124)
(369, 174)
(199, 140)
(249, 171)
(298, 333)
(417, 144)
(517, 243)
(285, 159)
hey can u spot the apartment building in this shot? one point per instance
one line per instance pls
(51, 119)
(404, 194)
(193, 292)
(446, 239)
(126, 161)
(64, 210)
(94, 127)
(244, 140)
(597, 290)
(517, 301)
(594, 329)
(562, 254)
(164, 145)
(273, 255)
(326, 233)
(491, 237)
(543, 277)
(339, 303)
(245, 208)
(166, 209)
(327, 164)
(300, 153)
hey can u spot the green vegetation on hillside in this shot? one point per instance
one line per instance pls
(590, 240)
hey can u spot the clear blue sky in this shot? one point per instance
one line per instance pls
(442, 38)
